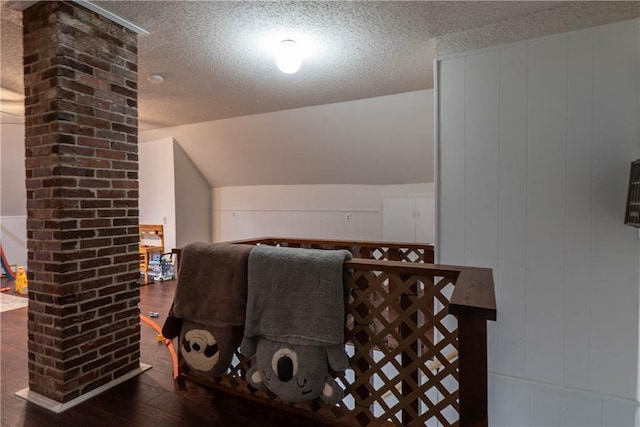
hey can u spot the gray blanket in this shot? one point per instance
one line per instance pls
(212, 284)
(296, 295)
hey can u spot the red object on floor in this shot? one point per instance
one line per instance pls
(5, 289)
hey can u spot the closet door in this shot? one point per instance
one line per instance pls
(425, 219)
(398, 221)
(409, 219)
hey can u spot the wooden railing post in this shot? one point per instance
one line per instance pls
(472, 354)
(473, 302)
(429, 255)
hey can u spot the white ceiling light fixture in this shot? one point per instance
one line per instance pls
(155, 78)
(288, 57)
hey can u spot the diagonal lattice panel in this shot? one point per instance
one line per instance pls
(402, 344)
(414, 359)
(388, 305)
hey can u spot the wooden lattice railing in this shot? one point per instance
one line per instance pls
(416, 336)
(383, 251)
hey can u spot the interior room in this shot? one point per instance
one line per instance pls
(483, 136)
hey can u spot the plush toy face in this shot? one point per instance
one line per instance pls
(200, 349)
(207, 350)
(295, 373)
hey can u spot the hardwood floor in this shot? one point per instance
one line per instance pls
(151, 399)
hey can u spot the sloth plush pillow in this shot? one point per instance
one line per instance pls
(206, 350)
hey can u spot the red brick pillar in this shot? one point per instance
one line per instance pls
(82, 199)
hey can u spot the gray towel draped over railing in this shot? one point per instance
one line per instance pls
(296, 295)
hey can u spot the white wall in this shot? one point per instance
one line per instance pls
(157, 187)
(193, 201)
(535, 143)
(13, 202)
(298, 172)
(313, 211)
(13, 196)
(174, 193)
(380, 141)
(13, 236)
(375, 125)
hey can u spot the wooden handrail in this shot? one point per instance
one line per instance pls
(401, 267)
(474, 295)
(389, 251)
(362, 243)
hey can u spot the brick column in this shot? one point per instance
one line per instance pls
(80, 73)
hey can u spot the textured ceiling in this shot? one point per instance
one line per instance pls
(216, 62)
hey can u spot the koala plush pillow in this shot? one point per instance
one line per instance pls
(295, 322)
(297, 373)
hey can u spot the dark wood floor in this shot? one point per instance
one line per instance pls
(151, 399)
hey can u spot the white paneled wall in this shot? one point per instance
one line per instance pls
(349, 212)
(516, 402)
(512, 213)
(302, 224)
(534, 148)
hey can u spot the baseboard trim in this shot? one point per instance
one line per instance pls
(57, 407)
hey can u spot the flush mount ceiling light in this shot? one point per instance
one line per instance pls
(288, 57)
(155, 78)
